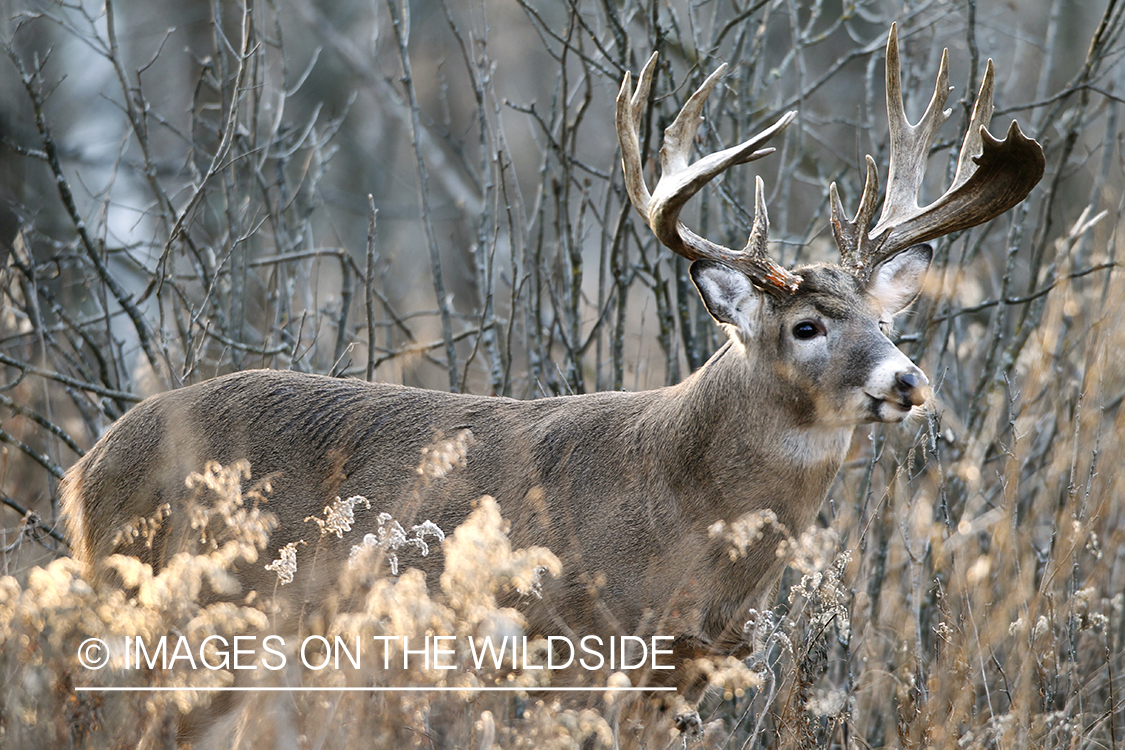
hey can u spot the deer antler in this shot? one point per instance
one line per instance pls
(680, 180)
(992, 176)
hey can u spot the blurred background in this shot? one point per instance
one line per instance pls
(430, 193)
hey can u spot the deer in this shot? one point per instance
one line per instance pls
(626, 488)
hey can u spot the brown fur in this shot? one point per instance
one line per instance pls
(623, 487)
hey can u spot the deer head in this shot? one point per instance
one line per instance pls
(823, 327)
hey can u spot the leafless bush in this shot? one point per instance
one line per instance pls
(184, 191)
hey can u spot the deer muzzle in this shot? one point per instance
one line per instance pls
(896, 388)
(912, 386)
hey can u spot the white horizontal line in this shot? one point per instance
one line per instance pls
(374, 689)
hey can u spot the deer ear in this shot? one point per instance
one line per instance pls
(730, 296)
(899, 279)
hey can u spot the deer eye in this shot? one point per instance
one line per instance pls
(807, 329)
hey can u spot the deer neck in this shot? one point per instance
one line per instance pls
(732, 427)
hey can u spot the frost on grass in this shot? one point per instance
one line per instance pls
(54, 616)
(220, 512)
(231, 531)
(286, 565)
(481, 544)
(731, 675)
(817, 557)
(390, 537)
(443, 456)
(479, 566)
(535, 585)
(144, 528)
(827, 703)
(765, 629)
(57, 611)
(339, 515)
(1087, 617)
(744, 531)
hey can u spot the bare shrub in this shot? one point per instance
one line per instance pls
(188, 189)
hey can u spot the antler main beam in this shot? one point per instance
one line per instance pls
(992, 175)
(680, 180)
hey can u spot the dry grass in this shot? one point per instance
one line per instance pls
(169, 215)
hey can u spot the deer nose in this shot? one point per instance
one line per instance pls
(912, 385)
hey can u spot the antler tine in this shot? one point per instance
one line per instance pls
(910, 144)
(630, 107)
(855, 244)
(680, 180)
(992, 176)
(973, 145)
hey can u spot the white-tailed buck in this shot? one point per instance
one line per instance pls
(624, 487)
